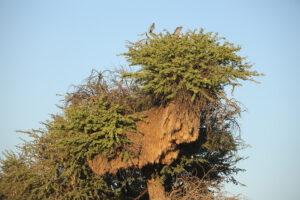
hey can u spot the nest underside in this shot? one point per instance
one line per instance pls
(160, 133)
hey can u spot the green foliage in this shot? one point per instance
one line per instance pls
(54, 164)
(99, 114)
(93, 126)
(196, 63)
(16, 178)
(45, 175)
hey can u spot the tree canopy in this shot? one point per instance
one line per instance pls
(196, 63)
(120, 134)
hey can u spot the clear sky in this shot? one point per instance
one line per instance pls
(45, 46)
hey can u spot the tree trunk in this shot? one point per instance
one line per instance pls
(156, 190)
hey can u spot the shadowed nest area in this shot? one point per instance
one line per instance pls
(164, 131)
(153, 132)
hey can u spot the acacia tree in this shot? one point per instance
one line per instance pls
(133, 135)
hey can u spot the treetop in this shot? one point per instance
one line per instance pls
(196, 63)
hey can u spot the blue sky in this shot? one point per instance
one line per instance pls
(45, 46)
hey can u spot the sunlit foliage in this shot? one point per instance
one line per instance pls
(193, 68)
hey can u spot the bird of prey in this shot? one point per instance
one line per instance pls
(150, 31)
(177, 31)
(151, 28)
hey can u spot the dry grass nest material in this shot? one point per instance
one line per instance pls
(161, 132)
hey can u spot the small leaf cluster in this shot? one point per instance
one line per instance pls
(195, 63)
(92, 127)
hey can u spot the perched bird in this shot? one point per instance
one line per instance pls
(150, 31)
(151, 28)
(177, 31)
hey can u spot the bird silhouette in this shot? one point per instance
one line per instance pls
(177, 31)
(151, 28)
(150, 31)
